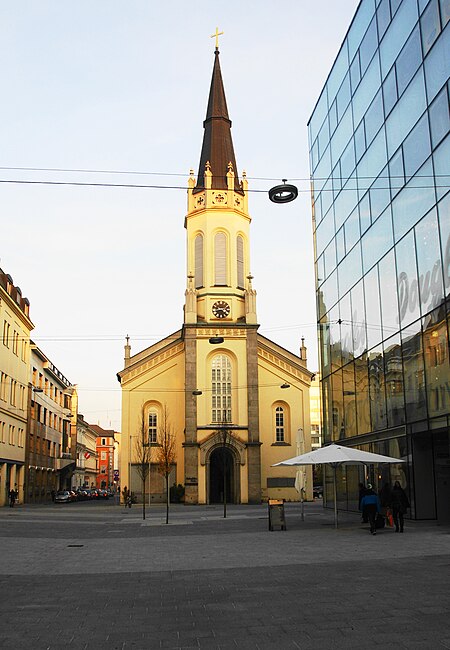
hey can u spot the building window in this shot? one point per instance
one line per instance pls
(240, 261)
(153, 427)
(103, 455)
(198, 261)
(103, 441)
(221, 389)
(220, 259)
(279, 424)
(6, 328)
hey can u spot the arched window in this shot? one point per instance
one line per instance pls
(220, 259)
(240, 261)
(152, 426)
(221, 389)
(198, 251)
(279, 424)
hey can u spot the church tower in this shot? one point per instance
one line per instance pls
(221, 383)
(219, 287)
(220, 303)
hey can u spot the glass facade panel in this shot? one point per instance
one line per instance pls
(437, 64)
(393, 369)
(374, 117)
(359, 25)
(408, 110)
(383, 17)
(417, 147)
(368, 45)
(388, 292)
(435, 343)
(444, 224)
(408, 60)
(385, 310)
(350, 269)
(377, 389)
(358, 320)
(431, 291)
(416, 198)
(439, 117)
(407, 281)
(348, 380)
(373, 309)
(430, 25)
(377, 240)
(414, 374)
(441, 158)
(398, 32)
(366, 90)
(390, 94)
(362, 396)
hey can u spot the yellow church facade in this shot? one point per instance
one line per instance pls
(236, 401)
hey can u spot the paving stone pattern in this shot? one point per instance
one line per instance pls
(85, 576)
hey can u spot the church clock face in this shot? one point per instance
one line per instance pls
(221, 309)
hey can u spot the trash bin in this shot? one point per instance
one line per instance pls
(276, 514)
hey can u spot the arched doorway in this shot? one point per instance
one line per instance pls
(220, 461)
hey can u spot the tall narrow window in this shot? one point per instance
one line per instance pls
(279, 424)
(153, 427)
(220, 259)
(221, 389)
(240, 261)
(199, 262)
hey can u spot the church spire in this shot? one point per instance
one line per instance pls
(217, 149)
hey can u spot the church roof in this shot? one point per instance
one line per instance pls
(217, 147)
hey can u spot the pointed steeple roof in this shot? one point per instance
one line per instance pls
(217, 148)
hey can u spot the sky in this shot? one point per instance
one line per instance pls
(116, 93)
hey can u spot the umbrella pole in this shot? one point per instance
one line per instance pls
(335, 495)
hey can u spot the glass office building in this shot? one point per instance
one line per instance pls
(380, 168)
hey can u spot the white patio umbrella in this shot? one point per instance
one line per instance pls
(336, 455)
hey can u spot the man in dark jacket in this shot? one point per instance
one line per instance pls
(370, 505)
(399, 505)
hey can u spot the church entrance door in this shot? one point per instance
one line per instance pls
(221, 460)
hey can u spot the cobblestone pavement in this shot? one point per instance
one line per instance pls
(97, 576)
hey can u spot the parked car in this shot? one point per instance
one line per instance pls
(63, 496)
(103, 494)
(318, 491)
(82, 494)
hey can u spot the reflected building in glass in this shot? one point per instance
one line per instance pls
(380, 168)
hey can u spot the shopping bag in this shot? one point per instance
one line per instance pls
(389, 518)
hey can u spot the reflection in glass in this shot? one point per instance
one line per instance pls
(435, 343)
(414, 373)
(346, 328)
(335, 338)
(337, 413)
(444, 226)
(416, 198)
(358, 320)
(388, 290)
(362, 395)
(407, 282)
(430, 26)
(431, 289)
(417, 146)
(373, 311)
(377, 389)
(408, 60)
(348, 377)
(377, 240)
(439, 117)
(393, 369)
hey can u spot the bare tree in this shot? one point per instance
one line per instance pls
(166, 453)
(142, 452)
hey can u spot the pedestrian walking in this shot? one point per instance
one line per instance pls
(12, 497)
(362, 492)
(370, 504)
(399, 504)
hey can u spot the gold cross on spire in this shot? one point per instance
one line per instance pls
(217, 34)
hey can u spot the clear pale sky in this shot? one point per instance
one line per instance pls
(123, 86)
